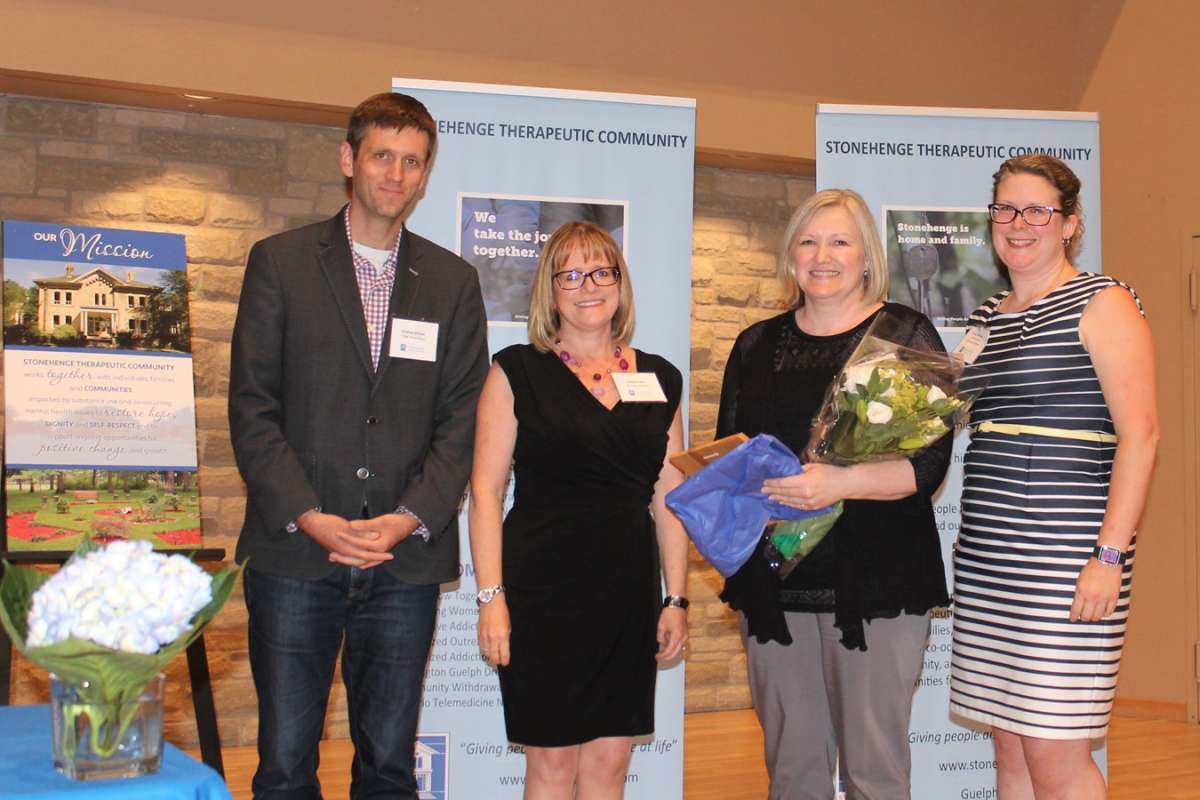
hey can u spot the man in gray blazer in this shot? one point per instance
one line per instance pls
(357, 359)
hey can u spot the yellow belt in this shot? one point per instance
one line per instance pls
(1041, 430)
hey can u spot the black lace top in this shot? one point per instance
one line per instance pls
(882, 558)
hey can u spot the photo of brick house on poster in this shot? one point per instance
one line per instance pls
(100, 433)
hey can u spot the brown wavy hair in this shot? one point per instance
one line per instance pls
(1061, 177)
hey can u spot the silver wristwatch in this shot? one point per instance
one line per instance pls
(488, 593)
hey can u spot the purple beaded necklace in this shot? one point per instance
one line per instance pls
(597, 388)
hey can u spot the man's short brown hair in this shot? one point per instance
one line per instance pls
(391, 111)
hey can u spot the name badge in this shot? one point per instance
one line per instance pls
(414, 339)
(639, 387)
(972, 344)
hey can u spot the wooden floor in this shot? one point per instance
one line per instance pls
(1148, 760)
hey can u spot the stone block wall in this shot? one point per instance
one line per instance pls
(738, 224)
(225, 183)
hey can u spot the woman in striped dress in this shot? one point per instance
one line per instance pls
(1056, 475)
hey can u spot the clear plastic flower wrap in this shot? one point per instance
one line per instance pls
(889, 401)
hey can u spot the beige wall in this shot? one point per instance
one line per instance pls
(757, 67)
(1145, 87)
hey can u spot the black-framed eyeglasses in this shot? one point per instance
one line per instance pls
(1002, 214)
(572, 279)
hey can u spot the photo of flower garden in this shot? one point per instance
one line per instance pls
(53, 509)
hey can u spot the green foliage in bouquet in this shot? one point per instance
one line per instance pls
(884, 410)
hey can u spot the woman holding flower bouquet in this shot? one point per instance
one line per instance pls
(571, 609)
(1062, 448)
(834, 649)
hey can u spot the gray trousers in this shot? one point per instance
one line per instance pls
(815, 700)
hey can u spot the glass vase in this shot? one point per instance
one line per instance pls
(98, 737)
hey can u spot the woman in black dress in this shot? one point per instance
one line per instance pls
(571, 610)
(833, 651)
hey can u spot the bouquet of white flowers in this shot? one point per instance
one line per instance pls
(889, 401)
(108, 622)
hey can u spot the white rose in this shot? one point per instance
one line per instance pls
(878, 412)
(935, 394)
(858, 376)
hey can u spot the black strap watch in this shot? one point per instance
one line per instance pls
(674, 601)
(1109, 555)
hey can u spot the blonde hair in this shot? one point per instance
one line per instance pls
(591, 240)
(875, 285)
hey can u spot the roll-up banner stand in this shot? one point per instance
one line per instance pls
(513, 164)
(926, 174)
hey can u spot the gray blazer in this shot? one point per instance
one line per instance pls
(314, 425)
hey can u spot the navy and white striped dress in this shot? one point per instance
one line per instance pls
(1031, 511)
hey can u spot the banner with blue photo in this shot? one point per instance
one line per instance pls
(513, 164)
(926, 174)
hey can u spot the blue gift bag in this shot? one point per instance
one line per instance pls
(723, 508)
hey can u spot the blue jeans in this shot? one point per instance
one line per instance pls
(384, 628)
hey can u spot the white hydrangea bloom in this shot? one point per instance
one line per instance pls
(123, 596)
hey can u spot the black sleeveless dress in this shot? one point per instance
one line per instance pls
(580, 556)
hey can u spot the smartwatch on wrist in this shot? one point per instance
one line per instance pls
(1109, 555)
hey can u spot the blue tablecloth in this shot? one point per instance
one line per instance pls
(27, 768)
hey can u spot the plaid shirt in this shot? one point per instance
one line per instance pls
(375, 290)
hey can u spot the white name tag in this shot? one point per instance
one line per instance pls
(412, 338)
(972, 344)
(639, 387)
